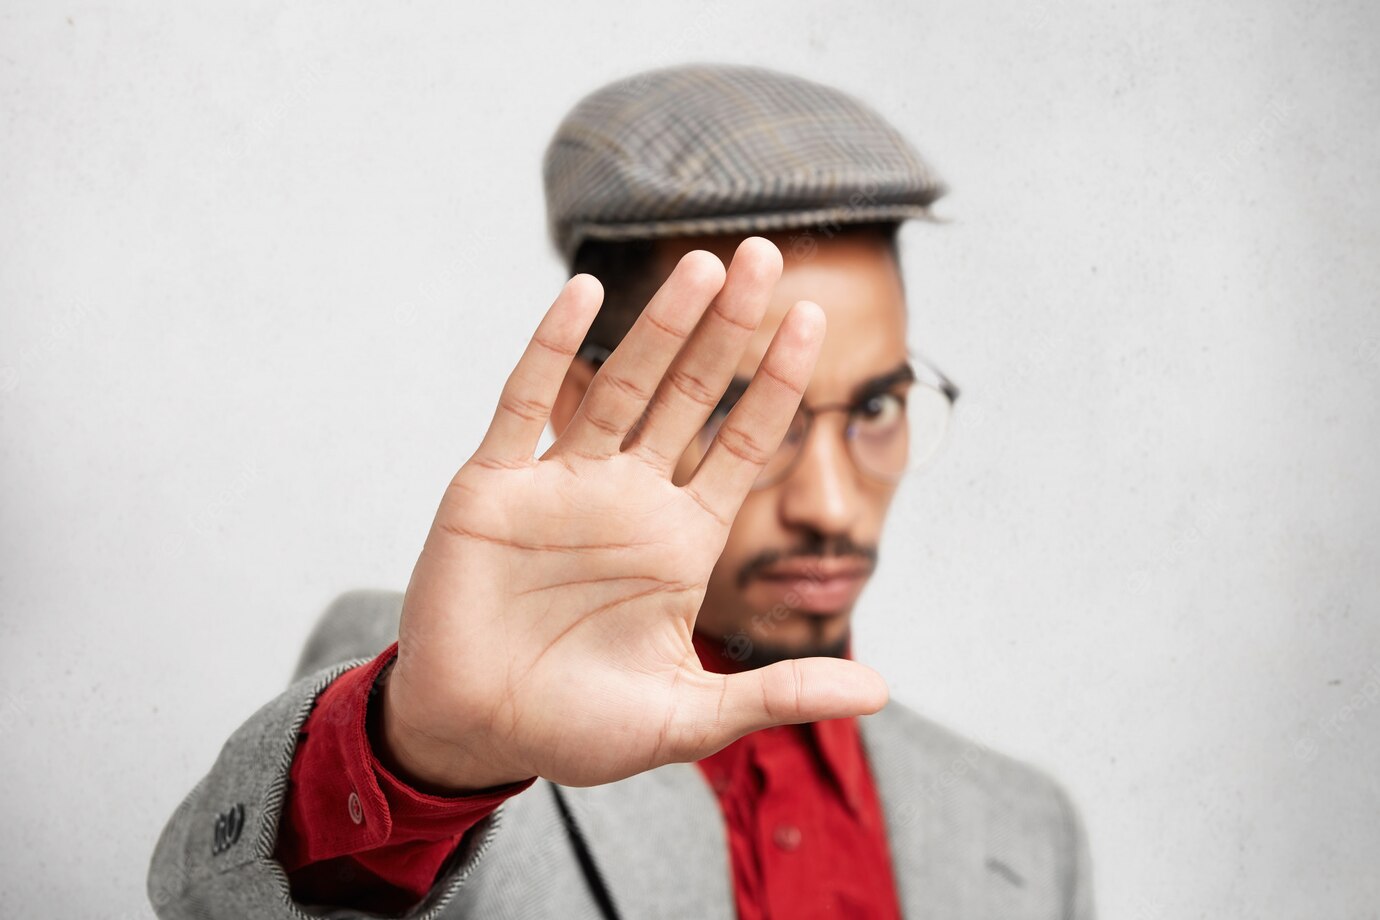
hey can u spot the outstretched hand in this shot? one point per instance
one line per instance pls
(546, 628)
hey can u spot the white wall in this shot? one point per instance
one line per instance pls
(263, 269)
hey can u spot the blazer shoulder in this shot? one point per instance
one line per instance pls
(357, 624)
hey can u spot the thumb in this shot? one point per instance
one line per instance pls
(795, 690)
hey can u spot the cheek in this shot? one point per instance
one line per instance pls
(876, 501)
(879, 498)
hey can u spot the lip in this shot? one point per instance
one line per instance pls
(819, 588)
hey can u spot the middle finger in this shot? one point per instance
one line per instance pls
(619, 392)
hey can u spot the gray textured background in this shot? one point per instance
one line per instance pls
(264, 268)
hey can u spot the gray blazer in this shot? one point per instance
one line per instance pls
(973, 834)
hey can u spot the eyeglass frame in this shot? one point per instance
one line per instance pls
(597, 354)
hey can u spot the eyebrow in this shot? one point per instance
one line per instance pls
(902, 373)
(872, 386)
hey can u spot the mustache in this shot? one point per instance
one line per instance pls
(840, 546)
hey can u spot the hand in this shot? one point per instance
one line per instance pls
(546, 628)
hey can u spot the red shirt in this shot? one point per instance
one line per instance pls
(804, 827)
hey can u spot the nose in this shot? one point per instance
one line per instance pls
(822, 492)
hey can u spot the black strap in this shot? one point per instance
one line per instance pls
(591, 872)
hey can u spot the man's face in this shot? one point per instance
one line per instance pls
(801, 549)
(771, 595)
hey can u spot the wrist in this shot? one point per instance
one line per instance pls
(429, 764)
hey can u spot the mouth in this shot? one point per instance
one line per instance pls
(818, 586)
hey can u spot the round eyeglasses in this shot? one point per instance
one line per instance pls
(895, 422)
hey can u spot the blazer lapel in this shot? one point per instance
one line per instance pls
(931, 848)
(658, 841)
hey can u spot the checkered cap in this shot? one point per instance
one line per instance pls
(717, 149)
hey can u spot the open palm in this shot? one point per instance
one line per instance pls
(546, 629)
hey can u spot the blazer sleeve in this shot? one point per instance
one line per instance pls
(214, 858)
(1079, 882)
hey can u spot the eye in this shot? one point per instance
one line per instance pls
(721, 411)
(881, 410)
(728, 401)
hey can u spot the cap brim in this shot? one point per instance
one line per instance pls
(744, 223)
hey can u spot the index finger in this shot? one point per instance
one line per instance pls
(525, 404)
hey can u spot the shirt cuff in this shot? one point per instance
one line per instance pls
(344, 802)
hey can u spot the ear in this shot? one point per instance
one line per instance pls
(571, 394)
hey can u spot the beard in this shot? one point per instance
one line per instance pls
(751, 655)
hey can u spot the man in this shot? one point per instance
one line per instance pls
(622, 684)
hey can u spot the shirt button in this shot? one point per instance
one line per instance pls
(786, 836)
(356, 810)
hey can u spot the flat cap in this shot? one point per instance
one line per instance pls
(725, 148)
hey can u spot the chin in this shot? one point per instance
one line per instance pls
(805, 636)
